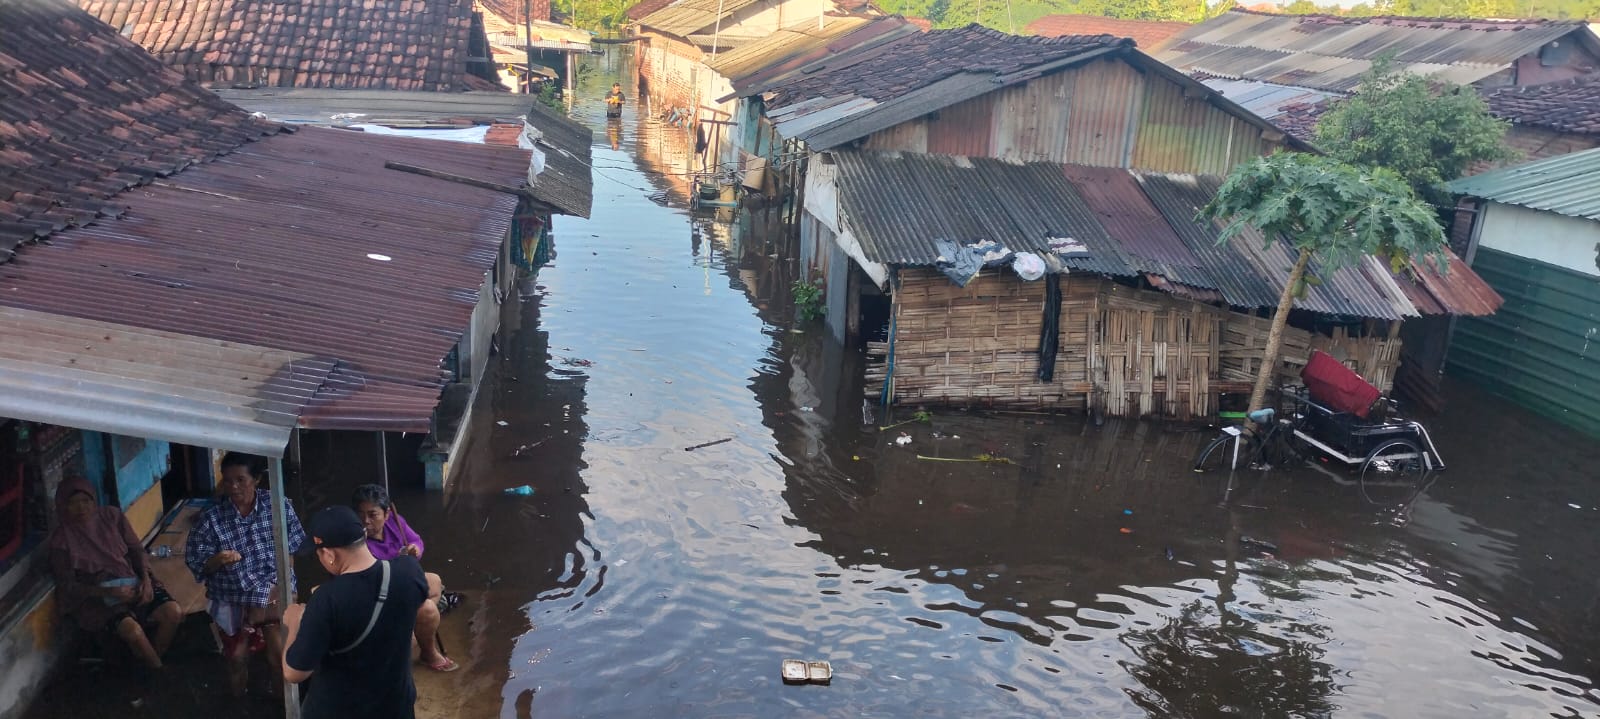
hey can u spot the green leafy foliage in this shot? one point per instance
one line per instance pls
(549, 98)
(1336, 211)
(1329, 211)
(1429, 132)
(808, 301)
(597, 15)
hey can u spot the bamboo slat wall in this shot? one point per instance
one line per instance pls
(1127, 351)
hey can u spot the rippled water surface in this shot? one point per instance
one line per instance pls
(1090, 575)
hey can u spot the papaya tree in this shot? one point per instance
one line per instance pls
(1329, 212)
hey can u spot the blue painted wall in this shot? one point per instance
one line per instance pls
(140, 464)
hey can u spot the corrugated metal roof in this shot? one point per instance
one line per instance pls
(880, 31)
(274, 245)
(898, 204)
(889, 83)
(1564, 184)
(1330, 52)
(1179, 199)
(140, 382)
(1265, 99)
(688, 17)
(566, 183)
(785, 44)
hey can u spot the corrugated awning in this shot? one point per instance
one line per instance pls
(126, 380)
(299, 246)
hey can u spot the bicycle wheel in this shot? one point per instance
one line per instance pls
(1391, 471)
(1278, 449)
(1218, 453)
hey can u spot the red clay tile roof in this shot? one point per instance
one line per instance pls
(515, 10)
(1300, 119)
(1145, 33)
(922, 23)
(921, 59)
(645, 7)
(1570, 106)
(85, 114)
(370, 44)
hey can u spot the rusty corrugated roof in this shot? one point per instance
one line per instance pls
(282, 244)
(566, 183)
(897, 204)
(687, 17)
(1330, 53)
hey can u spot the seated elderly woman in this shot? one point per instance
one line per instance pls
(388, 536)
(102, 578)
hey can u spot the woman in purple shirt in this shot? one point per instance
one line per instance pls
(388, 536)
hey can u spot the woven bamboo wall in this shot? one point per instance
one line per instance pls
(1130, 352)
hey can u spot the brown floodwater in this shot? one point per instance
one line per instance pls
(1090, 574)
(1084, 571)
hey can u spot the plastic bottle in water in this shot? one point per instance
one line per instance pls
(524, 490)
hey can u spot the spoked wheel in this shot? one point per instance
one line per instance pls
(1217, 455)
(1391, 473)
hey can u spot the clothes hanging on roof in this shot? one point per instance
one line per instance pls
(1050, 331)
(1028, 266)
(962, 261)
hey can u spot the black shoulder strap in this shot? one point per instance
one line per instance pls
(383, 596)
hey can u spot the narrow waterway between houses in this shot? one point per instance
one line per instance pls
(1091, 575)
(711, 497)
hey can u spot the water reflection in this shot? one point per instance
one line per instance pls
(1081, 570)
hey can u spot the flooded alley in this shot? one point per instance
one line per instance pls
(320, 248)
(1089, 574)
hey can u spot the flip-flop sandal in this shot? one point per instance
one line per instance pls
(445, 666)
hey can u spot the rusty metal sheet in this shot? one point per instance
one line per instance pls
(690, 16)
(1127, 214)
(302, 243)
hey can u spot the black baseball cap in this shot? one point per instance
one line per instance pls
(335, 527)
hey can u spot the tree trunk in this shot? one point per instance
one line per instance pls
(1269, 360)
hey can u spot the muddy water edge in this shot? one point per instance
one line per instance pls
(1089, 574)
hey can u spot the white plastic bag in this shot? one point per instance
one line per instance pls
(1029, 266)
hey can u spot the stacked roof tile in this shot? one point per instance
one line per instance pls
(372, 44)
(893, 69)
(1147, 34)
(80, 126)
(1571, 106)
(169, 228)
(643, 8)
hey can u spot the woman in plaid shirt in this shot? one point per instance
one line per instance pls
(230, 551)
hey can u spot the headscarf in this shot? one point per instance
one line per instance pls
(96, 547)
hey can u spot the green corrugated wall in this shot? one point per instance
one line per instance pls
(1542, 349)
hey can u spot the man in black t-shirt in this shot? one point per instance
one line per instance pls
(354, 634)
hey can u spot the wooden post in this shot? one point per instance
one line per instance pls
(383, 458)
(280, 547)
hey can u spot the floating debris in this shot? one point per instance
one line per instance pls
(708, 444)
